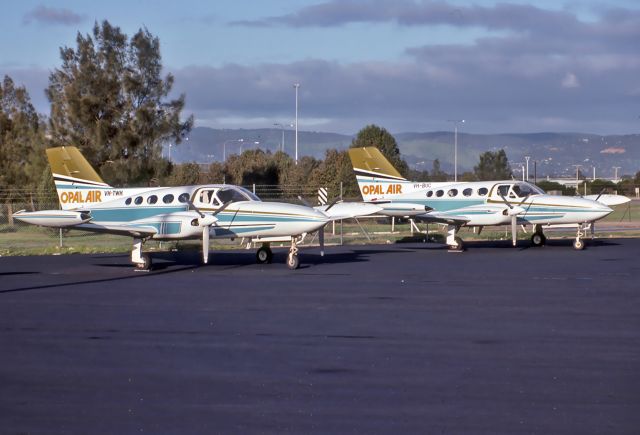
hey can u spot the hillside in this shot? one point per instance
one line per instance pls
(555, 153)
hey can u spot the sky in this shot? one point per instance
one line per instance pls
(406, 65)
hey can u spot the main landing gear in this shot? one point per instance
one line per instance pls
(455, 242)
(141, 261)
(264, 254)
(538, 238)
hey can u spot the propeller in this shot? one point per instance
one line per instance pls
(514, 212)
(206, 220)
(604, 189)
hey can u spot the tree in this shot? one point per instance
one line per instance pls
(108, 98)
(334, 170)
(437, 174)
(184, 174)
(493, 166)
(22, 156)
(372, 135)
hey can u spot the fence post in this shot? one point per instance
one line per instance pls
(60, 235)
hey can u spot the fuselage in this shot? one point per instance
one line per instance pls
(169, 211)
(479, 201)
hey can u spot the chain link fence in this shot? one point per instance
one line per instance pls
(19, 238)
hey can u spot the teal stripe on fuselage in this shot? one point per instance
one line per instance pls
(234, 231)
(132, 213)
(227, 217)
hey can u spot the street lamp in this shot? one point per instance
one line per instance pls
(282, 142)
(615, 177)
(224, 147)
(296, 86)
(527, 159)
(455, 146)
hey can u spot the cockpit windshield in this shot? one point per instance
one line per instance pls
(235, 194)
(523, 189)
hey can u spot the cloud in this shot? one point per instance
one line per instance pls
(413, 13)
(570, 81)
(46, 15)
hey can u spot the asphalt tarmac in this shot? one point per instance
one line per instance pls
(395, 339)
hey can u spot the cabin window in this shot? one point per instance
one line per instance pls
(503, 190)
(439, 193)
(430, 194)
(452, 192)
(167, 199)
(138, 200)
(230, 195)
(152, 199)
(467, 192)
(483, 191)
(127, 201)
(184, 197)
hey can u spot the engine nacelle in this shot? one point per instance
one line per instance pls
(53, 218)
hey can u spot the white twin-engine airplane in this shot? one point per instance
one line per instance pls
(175, 213)
(475, 204)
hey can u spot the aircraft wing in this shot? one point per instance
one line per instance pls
(443, 218)
(348, 210)
(609, 200)
(481, 214)
(124, 229)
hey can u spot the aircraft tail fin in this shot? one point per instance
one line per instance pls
(77, 183)
(377, 178)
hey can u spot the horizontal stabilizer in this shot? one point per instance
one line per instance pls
(348, 210)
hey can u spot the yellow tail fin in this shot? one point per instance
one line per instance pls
(370, 162)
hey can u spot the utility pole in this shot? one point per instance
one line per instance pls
(527, 159)
(455, 146)
(615, 177)
(296, 86)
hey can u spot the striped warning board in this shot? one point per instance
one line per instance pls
(322, 196)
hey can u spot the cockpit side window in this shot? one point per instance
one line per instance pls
(503, 190)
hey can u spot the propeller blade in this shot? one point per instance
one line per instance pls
(321, 240)
(604, 189)
(205, 244)
(514, 229)
(505, 200)
(332, 203)
(304, 201)
(193, 206)
(222, 207)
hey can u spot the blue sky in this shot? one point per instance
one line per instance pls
(407, 65)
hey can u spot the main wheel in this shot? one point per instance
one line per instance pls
(264, 255)
(538, 239)
(459, 246)
(292, 262)
(578, 244)
(146, 263)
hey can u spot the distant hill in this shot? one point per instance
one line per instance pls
(555, 153)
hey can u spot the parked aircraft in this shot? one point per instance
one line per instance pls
(176, 213)
(476, 204)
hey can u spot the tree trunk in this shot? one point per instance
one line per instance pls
(10, 213)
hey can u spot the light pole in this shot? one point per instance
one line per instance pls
(527, 159)
(282, 142)
(224, 147)
(577, 173)
(455, 146)
(615, 177)
(296, 86)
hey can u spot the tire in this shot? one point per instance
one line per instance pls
(146, 263)
(264, 255)
(538, 239)
(459, 246)
(578, 244)
(293, 262)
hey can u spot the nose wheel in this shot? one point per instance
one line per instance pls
(292, 259)
(578, 243)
